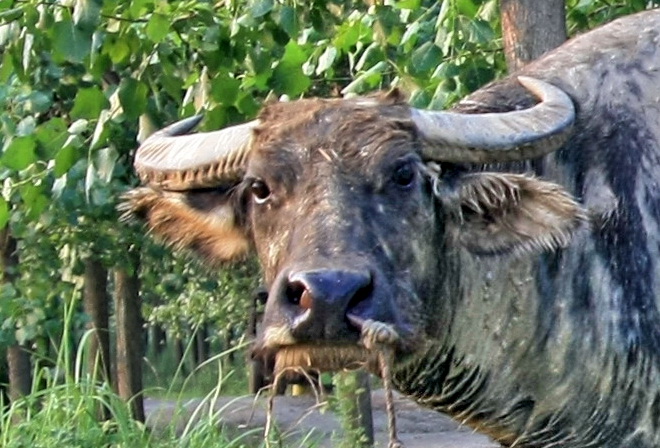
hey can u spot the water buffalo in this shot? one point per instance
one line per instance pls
(508, 250)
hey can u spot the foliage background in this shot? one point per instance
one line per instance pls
(82, 80)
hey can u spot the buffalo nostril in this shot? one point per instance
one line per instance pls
(297, 294)
(360, 298)
(294, 292)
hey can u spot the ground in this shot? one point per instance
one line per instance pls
(300, 416)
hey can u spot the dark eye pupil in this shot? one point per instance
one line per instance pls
(404, 175)
(260, 190)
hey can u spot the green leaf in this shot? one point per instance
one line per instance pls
(19, 154)
(367, 80)
(89, 103)
(11, 14)
(70, 44)
(288, 20)
(293, 54)
(424, 59)
(261, 8)
(4, 212)
(51, 136)
(158, 27)
(480, 31)
(467, 7)
(224, 89)
(101, 131)
(348, 35)
(133, 97)
(408, 4)
(138, 8)
(6, 67)
(67, 156)
(288, 76)
(290, 80)
(118, 51)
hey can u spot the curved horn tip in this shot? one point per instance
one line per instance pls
(500, 137)
(540, 88)
(182, 127)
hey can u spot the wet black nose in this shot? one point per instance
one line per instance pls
(323, 298)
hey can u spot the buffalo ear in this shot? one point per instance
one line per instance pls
(204, 223)
(497, 213)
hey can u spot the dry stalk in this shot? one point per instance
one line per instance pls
(279, 376)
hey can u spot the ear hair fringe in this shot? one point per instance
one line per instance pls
(504, 213)
(216, 239)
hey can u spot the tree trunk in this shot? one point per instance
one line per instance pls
(18, 358)
(179, 355)
(231, 356)
(95, 302)
(530, 28)
(202, 344)
(129, 339)
(20, 371)
(157, 339)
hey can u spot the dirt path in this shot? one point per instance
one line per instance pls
(300, 416)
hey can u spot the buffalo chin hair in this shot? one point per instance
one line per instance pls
(320, 358)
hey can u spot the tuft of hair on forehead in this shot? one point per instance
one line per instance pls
(343, 124)
(276, 110)
(304, 110)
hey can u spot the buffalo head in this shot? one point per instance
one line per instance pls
(353, 207)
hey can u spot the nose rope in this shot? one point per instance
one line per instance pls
(381, 338)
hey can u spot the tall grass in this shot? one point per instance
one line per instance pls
(70, 407)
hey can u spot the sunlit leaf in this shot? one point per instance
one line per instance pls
(119, 51)
(261, 8)
(78, 126)
(68, 155)
(468, 8)
(26, 126)
(4, 212)
(158, 27)
(348, 35)
(408, 4)
(288, 76)
(87, 14)
(367, 80)
(105, 160)
(326, 60)
(38, 102)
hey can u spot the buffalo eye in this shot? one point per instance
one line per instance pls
(260, 191)
(404, 175)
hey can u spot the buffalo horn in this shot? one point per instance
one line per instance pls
(173, 161)
(499, 137)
